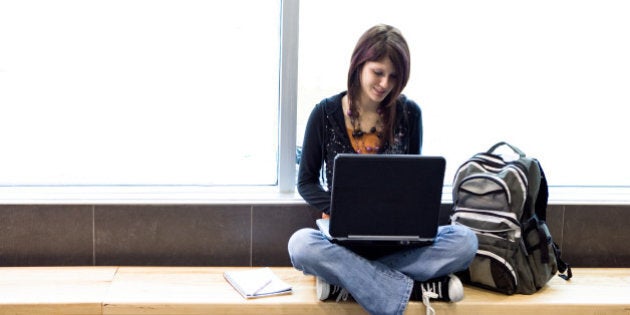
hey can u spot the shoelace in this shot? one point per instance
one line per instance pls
(435, 287)
(426, 295)
(343, 293)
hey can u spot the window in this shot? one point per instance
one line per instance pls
(551, 77)
(170, 92)
(139, 92)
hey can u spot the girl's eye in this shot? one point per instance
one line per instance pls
(378, 73)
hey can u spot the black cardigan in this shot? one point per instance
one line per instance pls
(326, 136)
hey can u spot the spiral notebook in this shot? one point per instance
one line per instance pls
(258, 282)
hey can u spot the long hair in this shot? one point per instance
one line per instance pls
(376, 43)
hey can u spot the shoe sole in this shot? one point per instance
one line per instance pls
(323, 291)
(452, 284)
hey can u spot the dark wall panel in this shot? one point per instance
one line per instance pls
(45, 235)
(173, 235)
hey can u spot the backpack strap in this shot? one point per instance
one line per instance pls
(564, 269)
(541, 202)
(540, 207)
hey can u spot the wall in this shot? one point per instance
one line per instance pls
(239, 235)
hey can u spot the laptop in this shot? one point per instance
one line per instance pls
(384, 199)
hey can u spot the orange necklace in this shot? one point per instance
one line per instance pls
(364, 142)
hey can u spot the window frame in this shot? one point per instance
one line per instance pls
(289, 41)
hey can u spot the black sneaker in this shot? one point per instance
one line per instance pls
(448, 288)
(326, 291)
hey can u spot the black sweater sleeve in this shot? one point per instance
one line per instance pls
(311, 162)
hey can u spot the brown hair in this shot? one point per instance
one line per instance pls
(376, 43)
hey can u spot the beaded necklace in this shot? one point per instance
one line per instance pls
(365, 141)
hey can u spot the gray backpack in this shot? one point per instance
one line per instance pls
(505, 204)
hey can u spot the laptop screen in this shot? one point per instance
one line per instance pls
(386, 196)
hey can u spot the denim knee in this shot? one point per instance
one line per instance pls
(297, 246)
(468, 243)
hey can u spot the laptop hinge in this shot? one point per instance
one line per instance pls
(385, 238)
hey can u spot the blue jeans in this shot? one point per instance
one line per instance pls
(383, 285)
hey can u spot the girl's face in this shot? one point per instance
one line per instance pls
(377, 80)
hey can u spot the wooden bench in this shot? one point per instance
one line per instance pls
(202, 290)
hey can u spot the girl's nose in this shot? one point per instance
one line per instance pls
(386, 82)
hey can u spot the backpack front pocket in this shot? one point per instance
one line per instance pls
(497, 223)
(493, 272)
(495, 265)
(484, 191)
